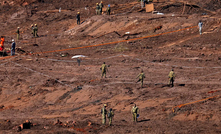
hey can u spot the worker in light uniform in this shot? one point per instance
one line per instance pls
(13, 48)
(200, 24)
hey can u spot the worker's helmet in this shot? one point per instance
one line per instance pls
(13, 40)
(104, 62)
(101, 1)
(109, 5)
(105, 105)
(35, 24)
(96, 3)
(78, 12)
(32, 25)
(18, 27)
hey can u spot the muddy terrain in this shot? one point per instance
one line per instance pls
(42, 83)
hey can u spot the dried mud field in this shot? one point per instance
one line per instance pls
(42, 83)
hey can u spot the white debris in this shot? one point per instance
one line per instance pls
(160, 13)
(78, 56)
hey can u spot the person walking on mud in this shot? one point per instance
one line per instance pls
(97, 9)
(200, 24)
(79, 61)
(110, 116)
(32, 30)
(144, 3)
(104, 114)
(171, 78)
(101, 7)
(78, 18)
(104, 70)
(141, 78)
(13, 48)
(108, 10)
(36, 30)
(18, 33)
(134, 112)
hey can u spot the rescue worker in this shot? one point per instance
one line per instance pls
(144, 3)
(135, 111)
(2, 43)
(200, 24)
(13, 47)
(18, 33)
(78, 61)
(104, 70)
(141, 78)
(104, 113)
(36, 30)
(32, 29)
(97, 9)
(78, 18)
(108, 10)
(171, 78)
(110, 116)
(101, 7)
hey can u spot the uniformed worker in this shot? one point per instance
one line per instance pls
(141, 77)
(200, 25)
(36, 30)
(32, 29)
(171, 77)
(101, 7)
(108, 10)
(104, 70)
(110, 116)
(135, 111)
(78, 18)
(97, 9)
(18, 33)
(104, 113)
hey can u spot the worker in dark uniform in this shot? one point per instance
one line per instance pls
(144, 3)
(78, 18)
(108, 10)
(101, 7)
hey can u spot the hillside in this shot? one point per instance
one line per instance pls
(42, 83)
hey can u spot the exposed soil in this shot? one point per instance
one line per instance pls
(43, 85)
